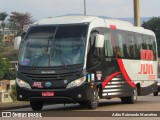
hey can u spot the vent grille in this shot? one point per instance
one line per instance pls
(41, 77)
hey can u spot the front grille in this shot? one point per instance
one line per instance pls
(41, 77)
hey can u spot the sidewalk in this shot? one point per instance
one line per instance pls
(13, 105)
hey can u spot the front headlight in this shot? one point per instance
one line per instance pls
(22, 83)
(76, 82)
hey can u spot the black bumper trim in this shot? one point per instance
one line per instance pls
(52, 99)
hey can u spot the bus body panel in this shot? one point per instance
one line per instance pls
(145, 70)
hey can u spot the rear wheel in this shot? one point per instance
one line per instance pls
(93, 104)
(36, 105)
(155, 93)
(131, 99)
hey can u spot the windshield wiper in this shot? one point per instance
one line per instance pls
(62, 60)
(53, 47)
(44, 53)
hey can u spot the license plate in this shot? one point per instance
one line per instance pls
(46, 94)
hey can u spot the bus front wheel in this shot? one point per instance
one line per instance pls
(93, 104)
(131, 99)
(36, 105)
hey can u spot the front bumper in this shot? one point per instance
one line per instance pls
(71, 95)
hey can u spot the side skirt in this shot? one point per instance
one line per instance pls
(148, 90)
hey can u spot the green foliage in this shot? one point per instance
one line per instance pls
(1, 73)
(7, 54)
(6, 71)
(154, 25)
(11, 74)
(8, 51)
(1, 35)
(3, 16)
(5, 67)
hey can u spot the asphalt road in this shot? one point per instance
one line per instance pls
(144, 103)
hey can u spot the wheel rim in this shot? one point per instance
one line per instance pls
(96, 97)
(135, 95)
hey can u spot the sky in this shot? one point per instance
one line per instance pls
(40, 9)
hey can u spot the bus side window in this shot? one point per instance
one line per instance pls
(93, 57)
(131, 52)
(108, 45)
(144, 43)
(138, 44)
(148, 42)
(153, 46)
(119, 38)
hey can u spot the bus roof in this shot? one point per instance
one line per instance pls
(66, 20)
(122, 25)
(127, 26)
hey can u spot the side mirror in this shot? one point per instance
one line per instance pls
(17, 42)
(99, 41)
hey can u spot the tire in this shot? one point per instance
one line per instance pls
(131, 99)
(93, 104)
(138, 89)
(36, 105)
(155, 93)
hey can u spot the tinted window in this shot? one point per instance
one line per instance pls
(92, 56)
(108, 45)
(119, 44)
(138, 45)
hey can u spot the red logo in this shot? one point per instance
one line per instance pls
(151, 77)
(37, 85)
(146, 68)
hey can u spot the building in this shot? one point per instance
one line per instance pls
(9, 35)
(5, 87)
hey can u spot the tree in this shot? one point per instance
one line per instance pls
(5, 66)
(5, 70)
(8, 51)
(7, 54)
(3, 16)
(20, 19)
(154, 25)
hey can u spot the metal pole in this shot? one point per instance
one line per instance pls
(136, 13)
(85, 7)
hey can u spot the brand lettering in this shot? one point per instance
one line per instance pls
(146, 67)
(37, 84)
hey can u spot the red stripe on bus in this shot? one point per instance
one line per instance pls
(124, 73)
(105, 82)
(113, 27)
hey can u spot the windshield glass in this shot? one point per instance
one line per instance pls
(54, 46)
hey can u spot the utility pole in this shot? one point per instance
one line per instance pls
(85, 7)
(136, 12)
